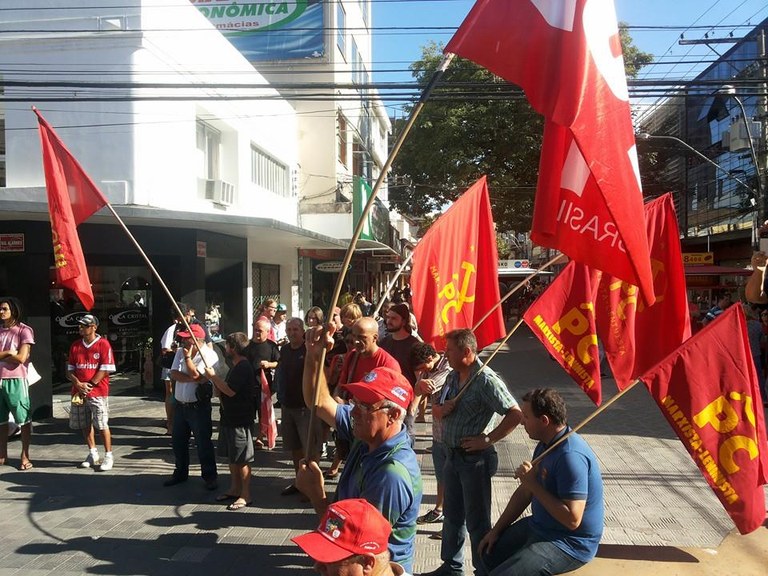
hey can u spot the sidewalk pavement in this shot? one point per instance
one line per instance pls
(661, 517)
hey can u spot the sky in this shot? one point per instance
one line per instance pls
(396, 49)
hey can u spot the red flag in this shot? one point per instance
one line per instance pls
(563, 319)
(267, 422)
(567, 58)
(636, 336)
(455, 272)
(708, 391)
(72, 199)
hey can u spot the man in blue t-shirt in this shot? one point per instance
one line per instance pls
(565, 491)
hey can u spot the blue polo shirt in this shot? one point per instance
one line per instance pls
(389, 478)
(570, 472)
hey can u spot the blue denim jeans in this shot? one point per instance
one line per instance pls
(519, 552)
(188, 420)
(467, 507)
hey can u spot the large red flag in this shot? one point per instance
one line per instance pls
(636, 336)
(267, 421)
(708, 391)
(455, 272)
(567, 58)
(563, 318)
(72, 199)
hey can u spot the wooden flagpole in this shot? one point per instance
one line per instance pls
(156, 274)
(527, 279)
(442, 67)
(584, 422)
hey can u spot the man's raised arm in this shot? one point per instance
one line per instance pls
(316, 339)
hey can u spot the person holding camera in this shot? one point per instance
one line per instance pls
(193, 392)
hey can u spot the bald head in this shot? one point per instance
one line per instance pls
(261, 329)
(365, 333)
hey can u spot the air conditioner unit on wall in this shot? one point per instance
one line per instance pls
(220, 192)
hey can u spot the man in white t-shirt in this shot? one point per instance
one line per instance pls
(193, 394)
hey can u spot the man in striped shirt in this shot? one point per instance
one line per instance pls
(473, 397)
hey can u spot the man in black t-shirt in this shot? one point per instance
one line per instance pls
(235, 438)
(263, 354)
(295, 414)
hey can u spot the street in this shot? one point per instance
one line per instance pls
(58, 519)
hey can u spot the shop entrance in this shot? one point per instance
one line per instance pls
(123, 305)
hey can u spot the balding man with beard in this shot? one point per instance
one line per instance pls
(263, 354)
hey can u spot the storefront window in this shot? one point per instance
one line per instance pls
(123, 305)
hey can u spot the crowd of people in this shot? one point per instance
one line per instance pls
(370, 380)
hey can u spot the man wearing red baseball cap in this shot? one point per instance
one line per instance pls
(352, 540)
(381, 467)
(193, 407)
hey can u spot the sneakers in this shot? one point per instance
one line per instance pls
(91, 461)
(430, 517)
(107, 463)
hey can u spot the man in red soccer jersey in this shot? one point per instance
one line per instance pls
(90, 362)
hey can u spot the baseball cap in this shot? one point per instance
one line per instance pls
(282, 308)
(382, 384)
(348, 527)
(197, 332)
(89, 320)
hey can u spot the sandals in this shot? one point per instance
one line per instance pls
(238, 504)
(226, 497)
(430, 517)
(26, 466)
(330, 474)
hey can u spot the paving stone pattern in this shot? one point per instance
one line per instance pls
(59, 519)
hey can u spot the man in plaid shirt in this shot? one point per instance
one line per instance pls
(468, 413)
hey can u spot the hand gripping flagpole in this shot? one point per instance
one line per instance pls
(442, 67)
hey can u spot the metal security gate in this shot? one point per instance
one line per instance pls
(265, 279)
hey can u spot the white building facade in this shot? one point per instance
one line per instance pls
(194, 149)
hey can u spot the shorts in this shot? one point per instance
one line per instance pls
(14, 399)
(94, 412)
(236, 444)
(294, 427)
(439, 456)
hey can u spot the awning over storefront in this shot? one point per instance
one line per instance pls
(521, 272)
(228, 224)
(716, 271)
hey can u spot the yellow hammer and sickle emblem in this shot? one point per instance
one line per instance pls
(456, 300)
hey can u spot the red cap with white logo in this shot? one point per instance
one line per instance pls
(347, 528)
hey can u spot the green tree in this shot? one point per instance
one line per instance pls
(634, 58)
(474, 124)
